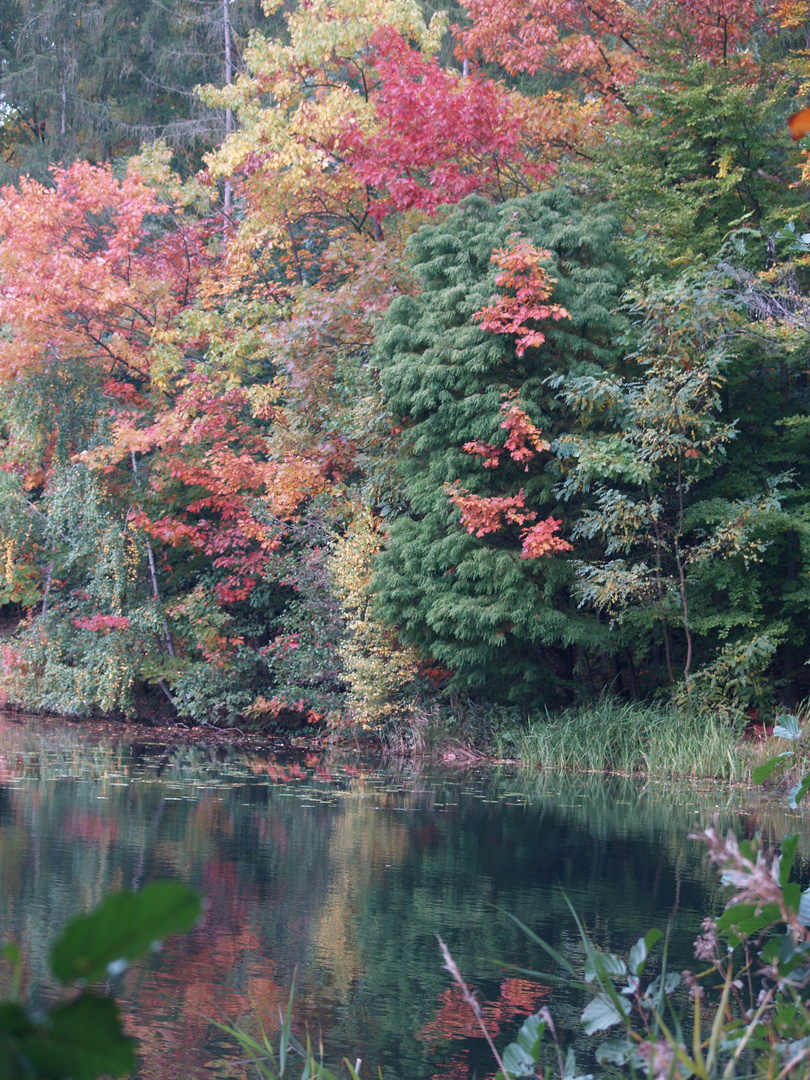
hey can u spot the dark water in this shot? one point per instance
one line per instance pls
(345, 873)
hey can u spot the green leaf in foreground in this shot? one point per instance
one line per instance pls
(521, 1058)
(641, 950)
(614, 1052)
(763, 771)
(786, 857)
(603, 966)
(14, 1020)
(517, 1062)
(602, 1013)
(77, 1041)
(531, 1035)
(740, 921)
(787, 727)
(797, 793)
(81, 1040)
(124, 927)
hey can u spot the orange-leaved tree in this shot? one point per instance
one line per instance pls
(600, 48)
(145, 496)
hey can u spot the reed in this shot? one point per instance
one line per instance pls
(626, 738)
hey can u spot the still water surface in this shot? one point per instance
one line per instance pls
(345, 872)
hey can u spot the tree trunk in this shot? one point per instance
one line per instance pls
(226, 22)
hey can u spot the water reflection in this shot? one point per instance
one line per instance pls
(346, 872)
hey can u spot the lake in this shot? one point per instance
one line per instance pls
(340, 872)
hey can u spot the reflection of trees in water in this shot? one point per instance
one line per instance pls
(517, 998)
(654, 808)
(349, 872)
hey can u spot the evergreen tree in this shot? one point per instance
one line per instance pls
(505, 625)
(94, 81)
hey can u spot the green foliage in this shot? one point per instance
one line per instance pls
(648, 469)
(82, 1038)
(276, 1063)
(95, 82)
(737, 678)
(703, 152)
(790, 727)
(502, 624)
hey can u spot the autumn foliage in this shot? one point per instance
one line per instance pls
(531, 287)
(87, 273)
(280, 437)
(605, 46)
(517, 315)
(440, 136)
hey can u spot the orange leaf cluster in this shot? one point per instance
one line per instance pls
(540, 540)
(103, 623)
(481, 515)
(208, 444)
(81, 275)
(524, 442)
(532, 286)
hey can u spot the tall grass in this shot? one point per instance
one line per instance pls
(624, 738)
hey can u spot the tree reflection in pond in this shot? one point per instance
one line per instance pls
(347, 872)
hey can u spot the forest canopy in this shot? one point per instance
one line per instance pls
(355, 354)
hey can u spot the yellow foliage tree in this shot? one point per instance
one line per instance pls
(294, 106)
(380, 671)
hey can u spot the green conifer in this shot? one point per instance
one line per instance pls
(503, 624)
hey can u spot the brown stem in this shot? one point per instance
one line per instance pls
(660, 589)
(450, 965)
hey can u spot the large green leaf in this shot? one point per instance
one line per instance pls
(602, 1013)
(792, 896)
(641, 950)
(14, 1024)
(740, 921)
(787, 854)
(123, 928)
(797, 793)
(614, 1051)
(604, 965)
(517, 1062)
(14, 1020)
(761, 773)
(81, 1040)
(531, 1035)
(787, 727)
(804, 908)
(661, 986)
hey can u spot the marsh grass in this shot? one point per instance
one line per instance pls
(626, 738)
